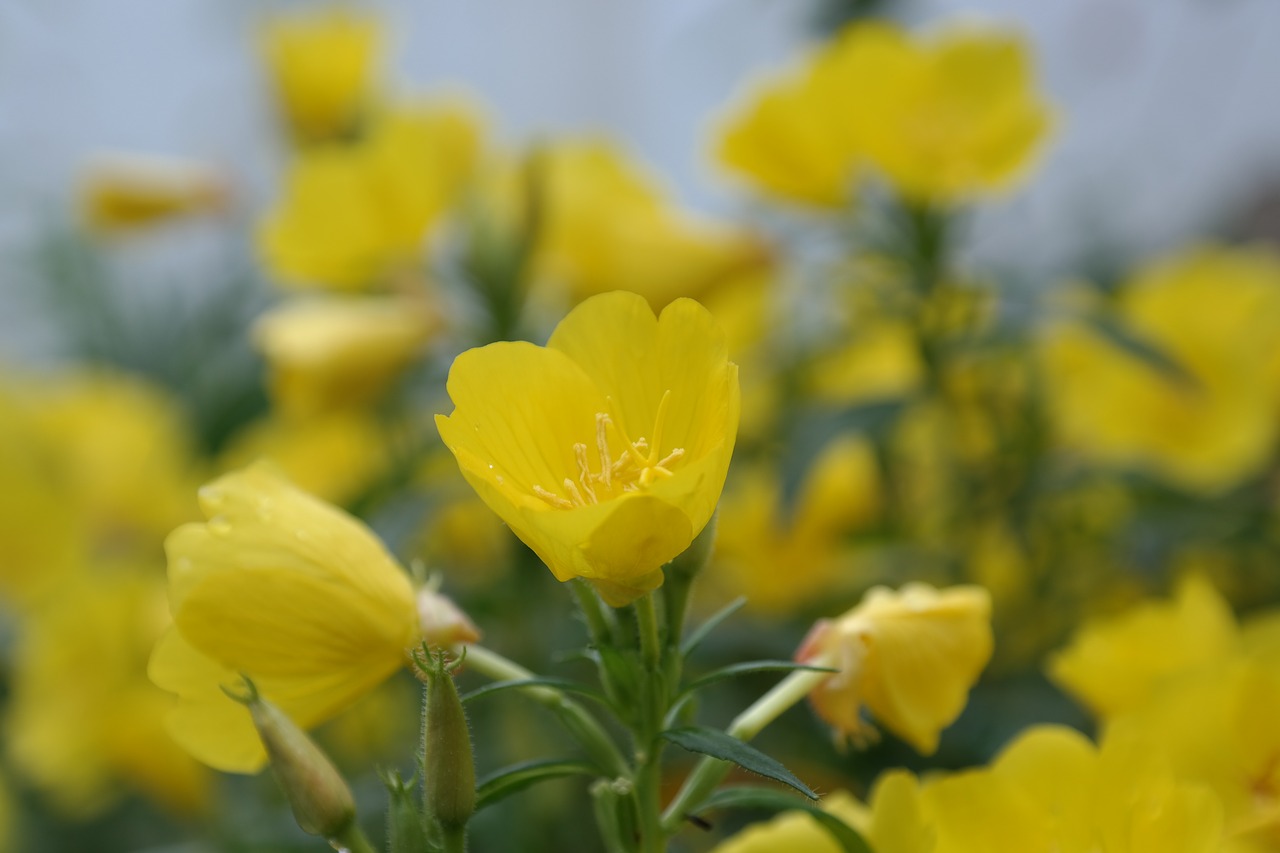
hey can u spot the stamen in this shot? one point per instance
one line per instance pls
(580, 454)
(674, 455)
(552, 498)
(602, 444)
(572, 489)
(658, 422)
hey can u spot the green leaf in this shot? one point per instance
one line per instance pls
(755, 797)
(510, 780)
(750, 667)
(717, 744)
(562, 684)
(1135, 344)
(702, 631)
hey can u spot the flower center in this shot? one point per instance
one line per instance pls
(639, 465)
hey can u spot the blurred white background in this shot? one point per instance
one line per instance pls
(1170, 115)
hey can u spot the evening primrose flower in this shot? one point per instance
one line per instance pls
(609, 226)
(797, 830)
(84, 724)
(121, 192)
(289, 591)
(335, 352)
(1204, 422)
(606, 450)
(1050, 789)
(1117, 664)
(941, 118)
(352, 216)
(783, 558)
(910, 656)
(323, 68)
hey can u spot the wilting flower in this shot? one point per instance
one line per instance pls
(340, 351)
(1196, 408)
(121, 192)
(942, 118)
(781, 557)
(606, 450)
(354, 215)
(291, 592)
(85, 725)
(323, 68)
(909, 656)
(609, 226)
(1116, 664)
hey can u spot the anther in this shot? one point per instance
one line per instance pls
(552, 498)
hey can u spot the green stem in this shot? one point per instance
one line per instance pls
(650, 638)
(455, 840)
(710, 772)
(597, 623)
(352, 840)
(573, 716)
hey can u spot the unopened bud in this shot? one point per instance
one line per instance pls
(449, 775)
(443, 624)
(319, 796)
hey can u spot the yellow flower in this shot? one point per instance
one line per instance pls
(336, 456)
(120, 192)
(335, 352)
(121, 452)
(608, 226)
(946, 117)
(606, 450)
(797, 831)
(1051, 789)
(84, 718)
(910, 656)
(354, 215)
(783, 558)
(880, 362)
(287, 590)
(1117, 664)
(1206, 429)
(942, 119)
(322, 66)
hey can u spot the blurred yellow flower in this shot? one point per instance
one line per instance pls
(1205, 424)
(910, 656)
(783, 558)
(1117, 664)
(283, 588)
(1051, 789)
(353, 216)
(121, 192)
(946, 117)
(881, 361)
(84, 719)
(797, 831)
(609, 226)
(323, 67)
(334, 352)
(551, 437)
(942, 118)
(121, 452)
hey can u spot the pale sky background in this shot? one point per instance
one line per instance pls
(1170, 109)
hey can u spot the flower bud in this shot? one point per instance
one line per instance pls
(449, 775)
(405, 830)
(443, 623)
(319, 796)
(910, 656)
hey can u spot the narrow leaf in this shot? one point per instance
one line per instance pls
(510, 780)
(717, 744)
(756, 797)
(562, 684)
(713, 621)
(750, 667)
